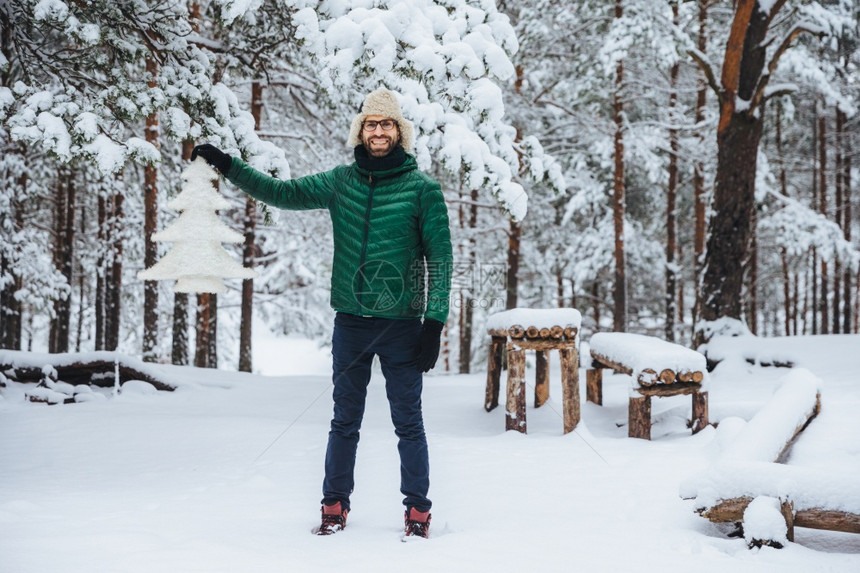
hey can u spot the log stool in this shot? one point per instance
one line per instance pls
(544, 330)
(657, 367)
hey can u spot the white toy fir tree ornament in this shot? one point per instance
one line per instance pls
(197, 260)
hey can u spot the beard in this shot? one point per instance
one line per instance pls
(379, 145)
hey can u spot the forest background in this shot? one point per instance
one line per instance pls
(667, 167)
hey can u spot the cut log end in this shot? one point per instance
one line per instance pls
(667, 376)
(647, 377)
(516, 331)
(532, 332)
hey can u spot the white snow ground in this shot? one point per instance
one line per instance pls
(224, 475)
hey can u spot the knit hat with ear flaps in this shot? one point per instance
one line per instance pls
(382, 102)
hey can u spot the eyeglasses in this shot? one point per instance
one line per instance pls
(385, 124)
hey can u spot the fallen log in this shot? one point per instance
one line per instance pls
(102, 371)
(748, 468)
(730, 510)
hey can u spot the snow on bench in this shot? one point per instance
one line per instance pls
(555, 323)
(747, 470)
(65, 377)
(647, 359)
(656, 367)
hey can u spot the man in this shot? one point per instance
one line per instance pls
(390, 227)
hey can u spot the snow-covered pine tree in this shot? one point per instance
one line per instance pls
(197, 260)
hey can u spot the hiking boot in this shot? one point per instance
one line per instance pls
(417, 523)
(333, 519)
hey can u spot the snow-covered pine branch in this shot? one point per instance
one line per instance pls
(799, 229)
(96, 115)
(446, 60)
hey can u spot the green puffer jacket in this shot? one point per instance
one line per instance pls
(385, 224)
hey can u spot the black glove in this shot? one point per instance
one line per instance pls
(213, 156)
(428, 349)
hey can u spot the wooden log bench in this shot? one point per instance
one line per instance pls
(748, 470)
(657, 368)
(540, 330)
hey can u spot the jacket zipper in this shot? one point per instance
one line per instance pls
(361, 261)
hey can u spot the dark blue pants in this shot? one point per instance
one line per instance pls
(355, 341)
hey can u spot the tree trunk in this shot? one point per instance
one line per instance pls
(671, 198)
(752, 313)
(699, 202)
(839, 211)
(846, 218)
(150, 175)
(795, 306)
(179, 346)
(814, 277)
(786, 291)
(81, 288)
(813, 310)
(7, 296)
(206, 350)
(729, 231)
(822, 205)
(619, 293)
(113, 290)
(201, 353)
(559, 287)
(101, 270)
(679, 284)
(64, 236)
(783, 253)
(212, 339)
(738, 136)
(467, 311)
(512, 280)
(10, 308)
(245, 331)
